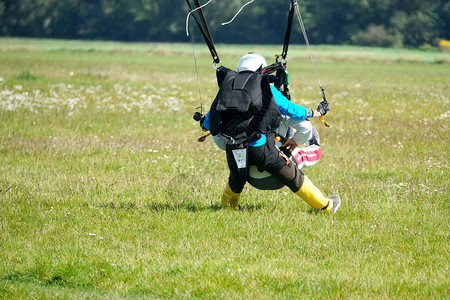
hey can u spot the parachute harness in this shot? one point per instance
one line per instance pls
(282, 77)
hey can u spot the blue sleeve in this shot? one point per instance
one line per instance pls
(206, 122)
(286, 107)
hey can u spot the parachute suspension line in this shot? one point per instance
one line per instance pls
(203, 27)
(239, 11)
(192, 11)
(302, 25)
(287, 34)
(204, 30)
(198, 76)
(322, 90)
(204, 5)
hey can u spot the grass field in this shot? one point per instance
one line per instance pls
(106, 193)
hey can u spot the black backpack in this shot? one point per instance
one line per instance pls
(244, 107)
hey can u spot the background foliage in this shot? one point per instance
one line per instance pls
(360, 22)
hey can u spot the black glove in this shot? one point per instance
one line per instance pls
(323, 108)
(197, 116)
(200, 118)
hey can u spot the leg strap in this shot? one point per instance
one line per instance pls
(313, 196)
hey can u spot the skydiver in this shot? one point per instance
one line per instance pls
(262, 151)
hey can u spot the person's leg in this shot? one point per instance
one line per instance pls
(314, 197)
(229, 198)
(305, 134)
(302, 186)
(281, 167)
(303, 129)
(236, 182)
(307, 157)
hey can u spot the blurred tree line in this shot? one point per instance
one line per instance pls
(358, 22)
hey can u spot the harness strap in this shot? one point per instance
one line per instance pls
(204, 29)
(287, 35)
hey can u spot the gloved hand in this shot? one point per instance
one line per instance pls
(200, 118)
(290, 144)
(323, 108)
(197, 116)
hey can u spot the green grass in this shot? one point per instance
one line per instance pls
(105, 192)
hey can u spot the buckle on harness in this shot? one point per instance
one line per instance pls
(217, 65)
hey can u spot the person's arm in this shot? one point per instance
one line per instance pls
(316, 113)
(291, 109)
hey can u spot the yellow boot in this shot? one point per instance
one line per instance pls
(230, 199)
(314, 197)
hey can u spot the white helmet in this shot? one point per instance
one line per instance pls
(251, 62)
